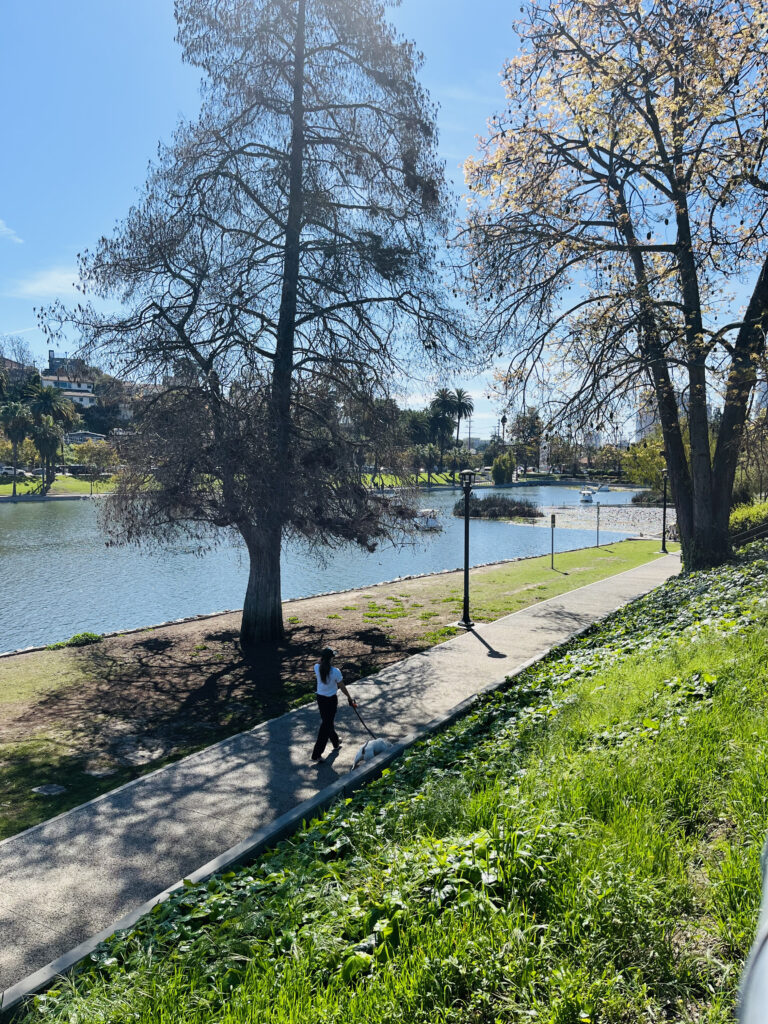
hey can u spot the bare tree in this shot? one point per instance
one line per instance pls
(283, 250)
(619, 194)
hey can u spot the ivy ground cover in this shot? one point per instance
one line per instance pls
(582, 847)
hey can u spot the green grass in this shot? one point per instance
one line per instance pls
(501, 590)
(55, 756)
(62, 485)
(442, 479)
(581, 848)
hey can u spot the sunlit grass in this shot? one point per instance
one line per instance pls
(496, 591)
(62, 485)
(582, 848)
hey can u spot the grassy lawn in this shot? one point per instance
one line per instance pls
(61, 485)
(583, 847)
(65, 714)
(393, 481)
(437, 478)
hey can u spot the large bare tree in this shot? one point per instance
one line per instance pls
(279, 268)
(619, 203)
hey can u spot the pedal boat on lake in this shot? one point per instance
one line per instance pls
(587, 494)
(428, 519)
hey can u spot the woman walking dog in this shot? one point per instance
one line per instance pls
(329, 682)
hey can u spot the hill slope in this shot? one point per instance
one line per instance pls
(583, 847)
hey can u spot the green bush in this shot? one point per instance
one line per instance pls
(498, 507)
(503, 469)
(78, 640)
(747, 517)
(648, 498)
(742, 495)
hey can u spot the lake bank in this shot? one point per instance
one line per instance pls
(94, 717)
(61, 577)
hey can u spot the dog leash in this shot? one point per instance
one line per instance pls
(354, 706)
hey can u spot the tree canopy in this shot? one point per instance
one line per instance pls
(617, 203)
(279, 270)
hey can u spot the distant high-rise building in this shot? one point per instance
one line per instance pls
(646, 417)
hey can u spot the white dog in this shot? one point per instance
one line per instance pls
(369, 750)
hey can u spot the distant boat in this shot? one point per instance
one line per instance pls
(603, 487)
(587, 494)
(428, 519)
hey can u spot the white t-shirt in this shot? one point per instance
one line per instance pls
(330, 687)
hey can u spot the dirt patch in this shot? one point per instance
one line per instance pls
(92, 718)
(141, 697)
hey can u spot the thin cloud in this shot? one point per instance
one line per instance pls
(10, 234)
(56, 282)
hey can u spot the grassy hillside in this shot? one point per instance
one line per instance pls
(583, 847)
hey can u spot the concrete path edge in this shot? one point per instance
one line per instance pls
(263, 838)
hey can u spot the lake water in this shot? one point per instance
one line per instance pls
(57, 577)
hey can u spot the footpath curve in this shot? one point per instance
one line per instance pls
(75, 875)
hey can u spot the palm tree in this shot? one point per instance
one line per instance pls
(463, 408)
(457, 457)
(17, 423)
(47, 435)
(418, 454)
(48, 401)
(443, 409)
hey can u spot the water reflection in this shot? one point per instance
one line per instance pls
(58, 577)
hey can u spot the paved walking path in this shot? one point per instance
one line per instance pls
(68, 878)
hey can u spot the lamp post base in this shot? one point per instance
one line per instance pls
(465, 625)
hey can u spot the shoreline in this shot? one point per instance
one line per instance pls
(481, 485)
(35, 648)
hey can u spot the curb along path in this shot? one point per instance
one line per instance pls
(76, 875)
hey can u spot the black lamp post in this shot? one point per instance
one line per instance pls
(504, 429)
(664, 475)
(467, 479)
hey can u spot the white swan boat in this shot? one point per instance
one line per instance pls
(428, 519)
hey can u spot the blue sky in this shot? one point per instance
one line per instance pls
(87, 90)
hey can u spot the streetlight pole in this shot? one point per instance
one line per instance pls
(552, 550)
(664, 475)
(467, 479)
(598, 524)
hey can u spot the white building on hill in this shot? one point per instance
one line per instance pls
(78, 391)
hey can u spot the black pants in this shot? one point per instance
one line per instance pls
(327, 707)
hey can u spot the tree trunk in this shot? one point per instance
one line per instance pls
(262, 611)
(263, 606)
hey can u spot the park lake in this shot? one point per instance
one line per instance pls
(60, 578)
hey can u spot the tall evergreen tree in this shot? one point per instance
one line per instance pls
(283, 249)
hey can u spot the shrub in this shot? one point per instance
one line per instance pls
(742, 495)
(503, 469)
(78, 640)
(647, 498)
(748, 517)
(498, 507)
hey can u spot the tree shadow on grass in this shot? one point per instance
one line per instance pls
(144, 699)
